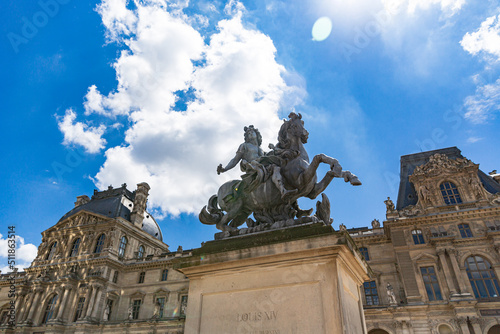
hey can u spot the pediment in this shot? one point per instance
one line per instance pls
(425, 257)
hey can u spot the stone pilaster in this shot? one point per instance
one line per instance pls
(62, 304)
(34, 305)
(458, 273)
(446, 270)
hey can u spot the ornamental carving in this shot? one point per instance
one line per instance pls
(439, 163)
(409, 211)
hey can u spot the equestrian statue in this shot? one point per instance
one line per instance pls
(272, 182)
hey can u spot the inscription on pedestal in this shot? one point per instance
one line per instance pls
(274, 310)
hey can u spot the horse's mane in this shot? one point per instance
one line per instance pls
(283, 142)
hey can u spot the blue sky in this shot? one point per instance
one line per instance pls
(107, 92)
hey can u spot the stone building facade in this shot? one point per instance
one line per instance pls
(435, 261)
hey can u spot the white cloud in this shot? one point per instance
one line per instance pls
(448, 7)
(472, 140)
(483, 105)
(485, 40)
(81, 134)
(177, 151)
(24, 255)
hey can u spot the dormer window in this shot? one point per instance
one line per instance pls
(450, 193)
(99, 244)
(140, 253)
(52, 251)
(75, 247)
(123, 246)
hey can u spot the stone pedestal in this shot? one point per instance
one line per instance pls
(303, 279)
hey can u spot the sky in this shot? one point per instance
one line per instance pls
(100, 93)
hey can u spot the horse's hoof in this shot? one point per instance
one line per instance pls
(355, 181)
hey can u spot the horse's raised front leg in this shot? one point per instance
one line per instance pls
(310, 172)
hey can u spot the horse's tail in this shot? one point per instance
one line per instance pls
(211, 214)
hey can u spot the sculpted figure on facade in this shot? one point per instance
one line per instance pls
(389, 205)
(390, 294)
(424, 195)
(105, 316)
(272, 182)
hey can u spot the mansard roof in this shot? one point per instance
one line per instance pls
(114, 203)
(407, 194)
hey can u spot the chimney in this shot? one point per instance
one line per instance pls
(140, 200)
(495, 175)
(80, 200)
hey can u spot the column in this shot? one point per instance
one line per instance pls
(476, 324)
(21, 314)
(446, 270)
(20, 297)
(458, 273)
(34, 305)
(91, 302)
(87, 303)
(462, 322)
(62, 305)
(97, 301)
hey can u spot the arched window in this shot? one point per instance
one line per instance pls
(377, 331)
(450, 193)
(465, 231)
(49, 309)
(364, 252)
(494, 330)
(164, 274)
(75, 247)
(140, 252)
(482, 277)
(52, 251)
(444, 329)
(100, 243)
(123, 246)
(142, 275)
(418, 237)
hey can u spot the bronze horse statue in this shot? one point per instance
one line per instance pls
(238, 199)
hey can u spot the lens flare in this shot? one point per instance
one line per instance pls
(321, 29)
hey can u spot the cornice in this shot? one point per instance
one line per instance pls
(444, 217)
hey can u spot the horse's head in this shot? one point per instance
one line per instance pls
(291, 129)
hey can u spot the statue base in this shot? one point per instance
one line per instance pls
(264, 227)
(303, 279)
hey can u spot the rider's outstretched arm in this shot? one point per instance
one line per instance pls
(234, 161)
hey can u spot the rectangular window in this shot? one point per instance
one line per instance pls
(371, 293)
(431, 283)
(115, 277)
(465, 231)
(164, 274)
(136, 308)
(364, 252)
(79, 308)
(418, 237)
(142, 275)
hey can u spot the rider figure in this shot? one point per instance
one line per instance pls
(253, 161)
